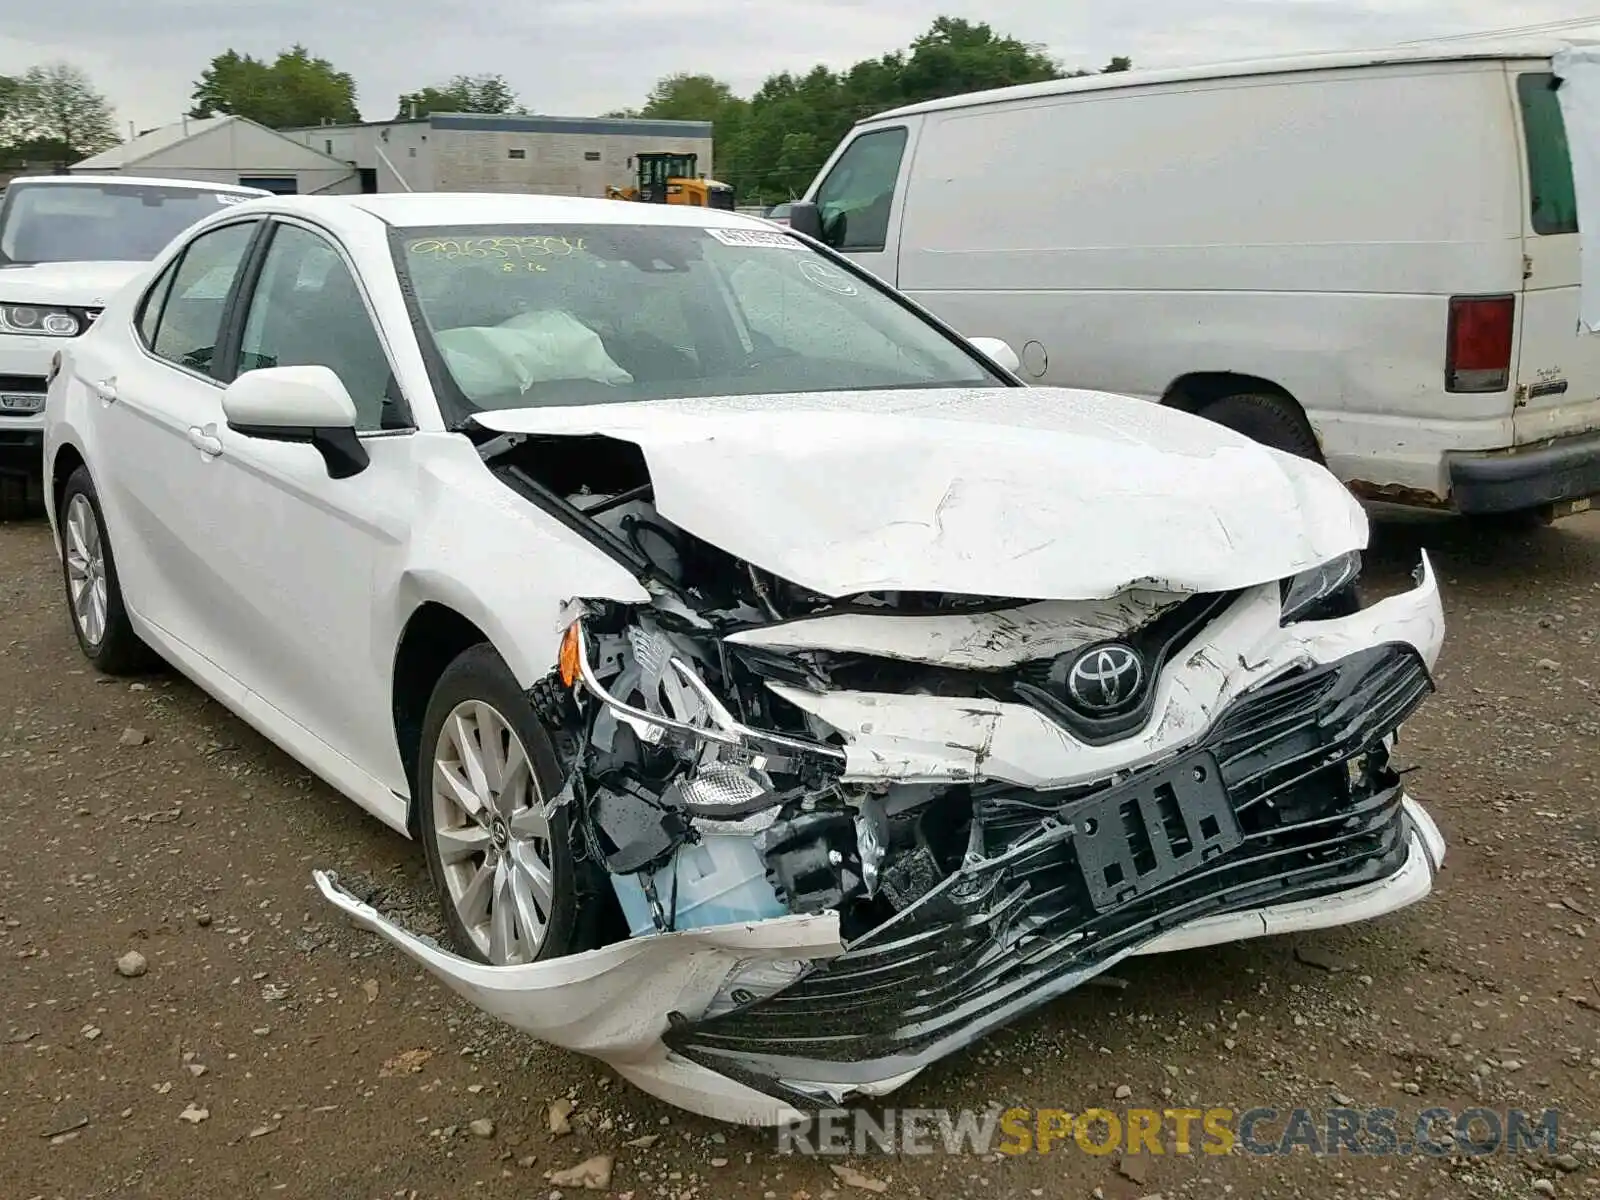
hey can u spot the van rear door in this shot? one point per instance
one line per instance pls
(1557, 385)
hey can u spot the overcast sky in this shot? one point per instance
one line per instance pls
(580, 57)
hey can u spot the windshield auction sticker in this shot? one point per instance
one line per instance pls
(755, 237)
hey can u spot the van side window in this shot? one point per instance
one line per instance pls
(1555, 204)
(854, 200)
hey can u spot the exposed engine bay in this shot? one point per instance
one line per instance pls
(711, 797)
(685, 757)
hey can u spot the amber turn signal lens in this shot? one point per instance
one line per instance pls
(568, 662)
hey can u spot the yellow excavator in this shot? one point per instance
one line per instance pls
(673, 179)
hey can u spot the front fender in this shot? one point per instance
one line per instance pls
(489, 555)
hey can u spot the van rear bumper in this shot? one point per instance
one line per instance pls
(1504, 481)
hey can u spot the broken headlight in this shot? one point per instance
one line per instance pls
(711, 726)
(1325, 591)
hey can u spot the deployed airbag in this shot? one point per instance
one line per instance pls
(529, 348)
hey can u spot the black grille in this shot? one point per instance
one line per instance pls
(997, 940)
(22, 383)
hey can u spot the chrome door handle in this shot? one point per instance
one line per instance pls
(204, 441)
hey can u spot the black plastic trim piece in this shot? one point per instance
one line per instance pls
(1043, 684)
(1526, 479)
(340, 446)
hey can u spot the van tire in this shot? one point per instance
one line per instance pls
(1273, 421)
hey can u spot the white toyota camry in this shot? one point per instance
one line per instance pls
(784, 696)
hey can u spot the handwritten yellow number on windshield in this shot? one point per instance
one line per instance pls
(506, 249)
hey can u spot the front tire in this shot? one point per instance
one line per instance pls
(510, 886)
(94, 594)
(1271, 420)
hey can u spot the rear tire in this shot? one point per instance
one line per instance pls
(1271, 420)
(94, 593)
(512, 886)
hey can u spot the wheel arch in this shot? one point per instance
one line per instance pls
(1194, 391)
(444, 621)
(1200, 390)
(68, 458)
(433, 637)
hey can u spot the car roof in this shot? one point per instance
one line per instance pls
(137, 181)
(428, 209)
(1442, 50)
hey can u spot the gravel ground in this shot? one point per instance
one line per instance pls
(269, 1049)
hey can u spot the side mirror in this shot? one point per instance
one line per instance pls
(998, 351)
(308, 405)
(804, 217)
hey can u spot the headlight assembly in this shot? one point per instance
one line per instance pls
(1324, 591)
(38, 320)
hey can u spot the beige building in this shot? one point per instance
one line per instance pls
(225, 149)
(475, 152)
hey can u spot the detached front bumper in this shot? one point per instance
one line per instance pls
(1258, 800)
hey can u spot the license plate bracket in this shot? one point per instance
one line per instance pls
(1151, 830)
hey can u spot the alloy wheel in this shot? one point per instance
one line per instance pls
(492, 834)
(86, 569)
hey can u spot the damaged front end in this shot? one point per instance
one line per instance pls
(849, 835)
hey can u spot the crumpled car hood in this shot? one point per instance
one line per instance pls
(1032, 493)
(72, 283)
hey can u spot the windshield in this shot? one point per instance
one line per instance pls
(99, 222)
(522, 316)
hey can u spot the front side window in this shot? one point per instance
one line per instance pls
(1552, 197)
(307, 311)
(100, 222)
(519, 316)
(854, 200)
(190, 324)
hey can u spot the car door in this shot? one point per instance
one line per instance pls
(305, 557)
(861, 197)
(153, 390)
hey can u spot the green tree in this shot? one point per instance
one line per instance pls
(957, 56)
(770, 146)
(8, 99)
(295, 89)
(463, 94)
(53, 113)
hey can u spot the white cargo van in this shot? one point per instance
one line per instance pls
(1371, 259)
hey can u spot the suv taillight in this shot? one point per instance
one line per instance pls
(1477, 354)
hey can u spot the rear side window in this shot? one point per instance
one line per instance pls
(154, 299)
(1552, 197)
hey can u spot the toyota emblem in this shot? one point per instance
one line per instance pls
(1104, 678)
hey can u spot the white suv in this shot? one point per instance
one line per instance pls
(67, 243)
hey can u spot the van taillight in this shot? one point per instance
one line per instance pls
(1478, 345)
